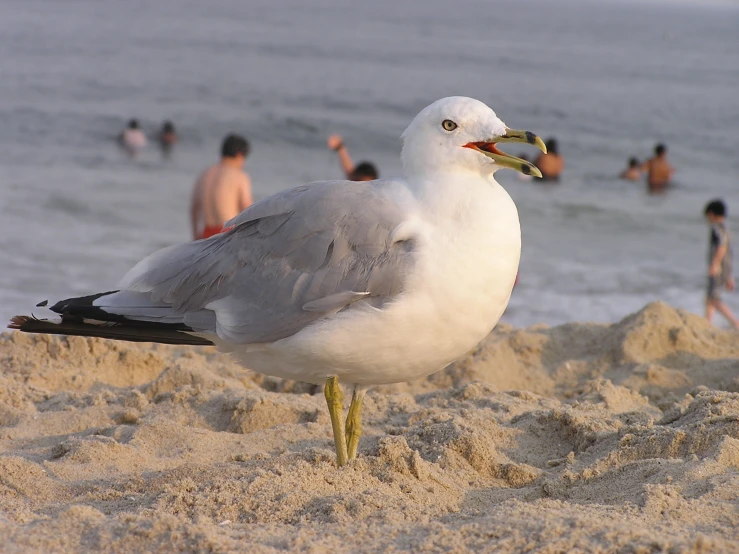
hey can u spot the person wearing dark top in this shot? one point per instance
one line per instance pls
(719, 262)
(167, 136)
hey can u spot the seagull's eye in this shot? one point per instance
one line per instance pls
(448, 125)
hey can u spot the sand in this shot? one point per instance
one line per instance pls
(576, 438)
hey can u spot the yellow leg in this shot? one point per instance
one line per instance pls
(354, 422)
(335, 402)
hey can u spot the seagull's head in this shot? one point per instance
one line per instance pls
(459, 133)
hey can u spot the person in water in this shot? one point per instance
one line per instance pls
(167, 136)
(719, 262)
(552, 163)
(132, 138)
(222, 191)
(658, 170)
(633, 172)
(363, 171)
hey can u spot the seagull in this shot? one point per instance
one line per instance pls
(340, 283)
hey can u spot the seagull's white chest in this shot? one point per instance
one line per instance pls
(467, 260)
(464, 279)
(469, 268)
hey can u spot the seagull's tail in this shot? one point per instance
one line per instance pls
(117, 319)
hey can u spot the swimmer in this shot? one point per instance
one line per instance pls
(633, 172)
(552, 163)
(132, 138)
(167, 136)
(222, 191)
(659, 171)
(363, 171)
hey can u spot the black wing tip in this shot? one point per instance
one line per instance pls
(160, 334)
(77, 302)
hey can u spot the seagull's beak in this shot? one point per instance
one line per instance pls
(488, 148)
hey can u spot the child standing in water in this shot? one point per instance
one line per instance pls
(719, 262)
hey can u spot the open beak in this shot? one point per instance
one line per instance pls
(506, 160)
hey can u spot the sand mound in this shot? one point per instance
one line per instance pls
(659, 352)
(575, 438)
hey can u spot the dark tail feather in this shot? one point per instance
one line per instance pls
(116, 331)
(80, 317)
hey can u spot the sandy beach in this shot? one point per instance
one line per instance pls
(575, 438)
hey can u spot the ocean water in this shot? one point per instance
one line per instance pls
(609, 80)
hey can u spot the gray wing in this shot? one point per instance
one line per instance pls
(287, 261)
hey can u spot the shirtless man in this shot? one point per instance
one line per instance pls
(550, 164)
(659, 171)
(222, 191)
(363, 171)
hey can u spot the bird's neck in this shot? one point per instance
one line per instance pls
(456, 195)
